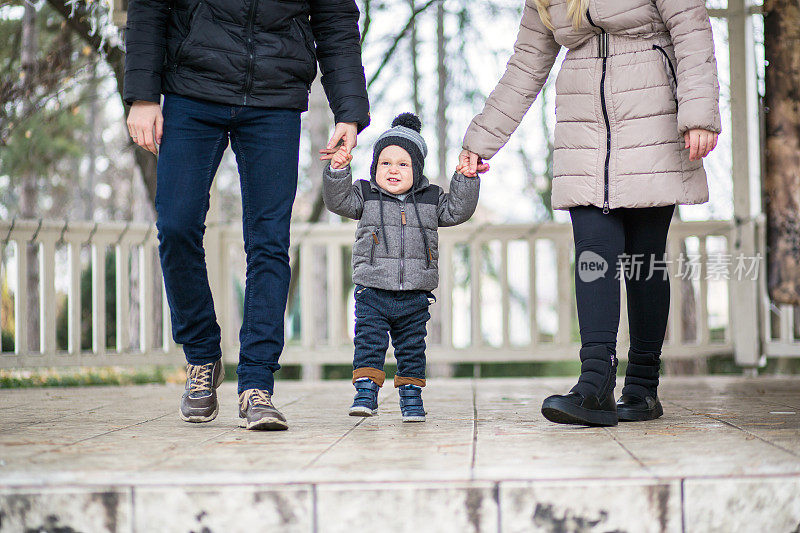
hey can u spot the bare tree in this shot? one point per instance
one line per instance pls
(414, 57)
(82, 18)
(782, 178)
(29, 197)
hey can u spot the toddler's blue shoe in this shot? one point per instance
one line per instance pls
(365, 402)
(411, 403)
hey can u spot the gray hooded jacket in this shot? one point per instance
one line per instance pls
(397, 242)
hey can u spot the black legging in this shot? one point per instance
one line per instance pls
(626, 231)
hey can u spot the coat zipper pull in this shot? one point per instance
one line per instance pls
(603, 44)
(403, 217)
(605, 208)
(375, 238)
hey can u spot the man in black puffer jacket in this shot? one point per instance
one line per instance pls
(236, 71)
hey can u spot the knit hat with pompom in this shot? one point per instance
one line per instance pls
(405, 134)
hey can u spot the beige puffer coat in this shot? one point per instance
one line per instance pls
(619, 118)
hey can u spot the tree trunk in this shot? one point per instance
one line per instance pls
(782, 178)
(29, 196)
(441, 99)
(91, 148)
(414, 53)
(80, 21)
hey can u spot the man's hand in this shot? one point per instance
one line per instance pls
(341, 144)
(699, 142)
(146, 124)
(470, 164)
(345, 133)
(339, 158)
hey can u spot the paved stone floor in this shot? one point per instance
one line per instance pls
(725, 457)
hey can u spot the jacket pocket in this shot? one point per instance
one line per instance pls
(307, 42)
(304, 38)
(372, 248)
(189, 34)
(671, 70)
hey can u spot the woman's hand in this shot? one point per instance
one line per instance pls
(699, 142)
(470, 164)
(146, 124)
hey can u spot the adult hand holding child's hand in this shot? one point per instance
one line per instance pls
(470, 164)
(342, 142)
(339, 157)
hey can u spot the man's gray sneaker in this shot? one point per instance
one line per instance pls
(257, 412)
(199, 402)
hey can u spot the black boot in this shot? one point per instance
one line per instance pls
(591, 401)
(639, 400)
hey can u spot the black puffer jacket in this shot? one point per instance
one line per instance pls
(247, 52)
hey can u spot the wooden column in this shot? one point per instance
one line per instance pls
(745, 167)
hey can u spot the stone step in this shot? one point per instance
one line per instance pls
(724, 457)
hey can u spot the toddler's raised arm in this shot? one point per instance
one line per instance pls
(459, 204)
(341, 195)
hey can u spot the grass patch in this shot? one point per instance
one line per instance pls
(87, 376)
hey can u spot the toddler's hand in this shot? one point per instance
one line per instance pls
(470, 164)
(340, 157)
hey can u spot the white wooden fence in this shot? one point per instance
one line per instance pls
(506, 294)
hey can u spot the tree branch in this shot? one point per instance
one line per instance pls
(398, 38)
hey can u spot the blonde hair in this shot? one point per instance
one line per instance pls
(575, 10)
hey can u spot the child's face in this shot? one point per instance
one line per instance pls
(394, 173)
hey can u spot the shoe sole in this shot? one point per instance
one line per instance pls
(413, 419)
(265, 424)
(363, 411)
(196, 419)
(636, 415)
(564, 412)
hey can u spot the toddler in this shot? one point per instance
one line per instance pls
(394, 257)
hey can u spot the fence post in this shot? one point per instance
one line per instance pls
(98, 297)
(47, 294)
(311, 371)
(746, 164)
(21, 300)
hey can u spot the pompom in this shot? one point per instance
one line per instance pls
(408, 120)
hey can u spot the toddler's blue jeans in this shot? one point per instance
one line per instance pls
(401, 314)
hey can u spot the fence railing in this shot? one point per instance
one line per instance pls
(506, 294)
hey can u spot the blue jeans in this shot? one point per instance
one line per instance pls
(404, 315)
(266, 143)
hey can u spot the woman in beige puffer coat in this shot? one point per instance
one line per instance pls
(637, 108)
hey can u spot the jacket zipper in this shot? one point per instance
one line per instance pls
(250, 50)
(402, 239)
(671, 69)
(188, 34)
(603, 53)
